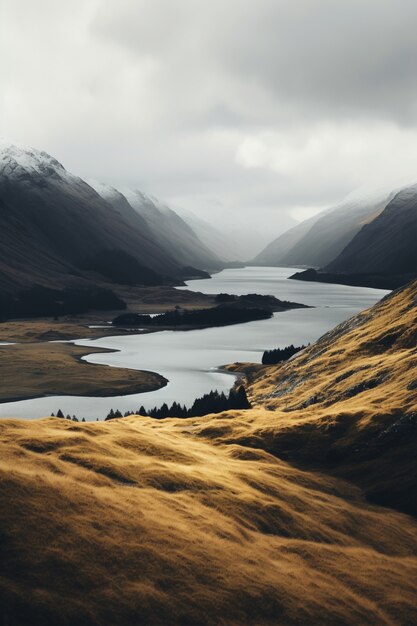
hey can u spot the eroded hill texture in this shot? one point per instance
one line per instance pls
(298, 511)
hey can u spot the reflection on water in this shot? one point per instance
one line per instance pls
(189, 359)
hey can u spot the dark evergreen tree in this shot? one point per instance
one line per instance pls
(272, 357)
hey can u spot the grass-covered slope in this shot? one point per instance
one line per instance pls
(140, 522)
(265, 516)
(348, 404)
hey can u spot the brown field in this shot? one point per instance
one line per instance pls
(266, 516)
(30, 370)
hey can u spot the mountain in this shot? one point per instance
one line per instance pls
(319, 240)
(57, 232)
(387, 245)
(300, 510)
(223, 246)
(164, 225)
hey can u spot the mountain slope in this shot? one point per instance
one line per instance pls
(347, 403)
(223, 246)
(277, 251)
(244, 517)
(49, 214)
(57, 232)
(387, 245)
(317, 241)
(172, 232)
(138, 522)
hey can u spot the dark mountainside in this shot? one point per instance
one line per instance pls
(165, 227)
(383, 254)
(317, 241)
(376, 281)
(387, 245)
(57, 233)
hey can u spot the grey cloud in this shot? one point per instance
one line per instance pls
(320, 56)
(242, 110)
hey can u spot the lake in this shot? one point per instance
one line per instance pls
(190, 359)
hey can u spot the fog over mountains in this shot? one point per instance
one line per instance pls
(388, 243)
(318, 240)
(374, 234)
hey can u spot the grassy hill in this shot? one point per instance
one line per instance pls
(265, 516)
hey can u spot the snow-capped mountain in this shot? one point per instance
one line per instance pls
(56, 231)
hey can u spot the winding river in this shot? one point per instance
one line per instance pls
(190, 359)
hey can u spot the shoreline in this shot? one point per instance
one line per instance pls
(38, 370)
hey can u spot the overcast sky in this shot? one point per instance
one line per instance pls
(247, 110)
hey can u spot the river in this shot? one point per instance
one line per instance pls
(190, 359)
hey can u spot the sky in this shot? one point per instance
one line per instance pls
(249, 113)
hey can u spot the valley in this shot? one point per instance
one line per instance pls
(300, 505)
(192, 361)
(208, 313)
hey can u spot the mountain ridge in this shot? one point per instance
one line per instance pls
(57, 232)
(318, 240)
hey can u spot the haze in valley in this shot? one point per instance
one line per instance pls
(251, 115)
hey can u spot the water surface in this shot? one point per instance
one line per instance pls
(189, 359)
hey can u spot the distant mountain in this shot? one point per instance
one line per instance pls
(223, 246)
(166, 227)
(388, 244)
(57, 232)
(319, 240)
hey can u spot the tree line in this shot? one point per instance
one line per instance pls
(271, 357)
(213, 402)
(217, 316)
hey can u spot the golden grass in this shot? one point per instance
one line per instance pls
(347, 403)
(239, 518)
(35, 369)
(139, 522)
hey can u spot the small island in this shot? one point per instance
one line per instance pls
(229, 309)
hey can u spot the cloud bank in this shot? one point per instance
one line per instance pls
(249, 113)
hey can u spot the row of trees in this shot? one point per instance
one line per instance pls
(217, 316)
(213, 402)
(60, 414)
(271, 357)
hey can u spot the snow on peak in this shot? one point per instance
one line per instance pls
(17, 160)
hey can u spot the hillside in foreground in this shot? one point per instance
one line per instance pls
(268, 516)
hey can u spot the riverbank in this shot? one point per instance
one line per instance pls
(189, 360)
(35, 370)
(96, 324)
